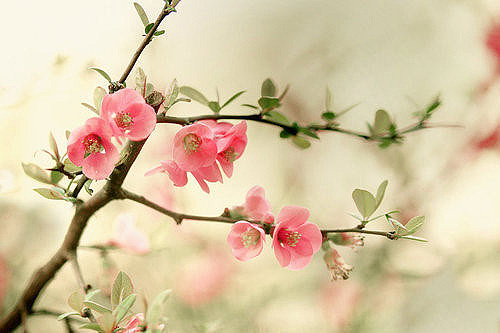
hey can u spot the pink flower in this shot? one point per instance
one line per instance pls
(256, 205)
(336, 265)
(493, 40)
(128, 114)
(128, 237)
(231, 142)
(246, 240)
(135, 324)
(491, 140)
(294, 239)
(194, 147)
(90, 147)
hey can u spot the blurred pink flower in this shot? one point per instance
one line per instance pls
(90, 147)
(177, 175)
(339, 302)
(128, 237)
(194, 147)
(246, 240)
(128, 114)
(336, 265)
(295, 240)
(135, 323)
(204, 278)
(493, 40)
(489, 141)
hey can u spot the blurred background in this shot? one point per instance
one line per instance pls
(391, 54)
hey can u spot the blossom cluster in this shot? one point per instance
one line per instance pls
(124, 114)
(201, 148)
(295, 240)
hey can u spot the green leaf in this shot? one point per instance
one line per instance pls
(380, 193)
(347, 109)
(140, 80)
(328, 100)
(149, 89)
(96, 307)
(415, 238)
(91, 108)
(99, 93)
(159, 33)
(67, 133)
(277, 117)
(148, 27)
(56, 176)
(121, 310)
(269, 102)
(87, 188)
(398, 226)
(141, 13)
(49, 193)
(250, 106)
(53, 146)
(103, 73)
(75, 300)
(301, 142)
(171, 94)
(194, 94)
(382, 122)
(70, 167)
(235, 96)
(157, 307)
(106, 322)
(91, 294)
(365, 202)
(328, 115)
(214, 106)
(268, 88)
(414, 225)
(37, 173)
(67, 314)
(122, 287)
(309, 132)
(92, 326)
(284, 134)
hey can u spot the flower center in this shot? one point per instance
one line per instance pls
(124, 120)
(288, 237)
(191, 143)
(250, 237)
(230, 154)
(92, 144)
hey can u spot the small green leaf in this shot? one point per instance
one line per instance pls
(149, 89)
(75, 300)
(328, 100)
(347, 109)
(121, 310)
(49, 193)
(414, 225)
(171, 94)
(92, 326)
(214, 106)
(67, 314)
(284, 134)
(365, 202)
(103, 73)
(37, 173)
(55, 177)
(157, 307)
(159, 33)
(67, 133)
(277, 117)
(328, 115)
(238, 94)
(70, 167)
(91, 294)
(301, 142)
(380, 193)
(382, 122)
(250, 106)
(122, 287)
(415, 238)
(141, 13)
(148, 27)
(269, 102)
(99, 93)
(309, 132)
(53, 146)
(398, 226)
(96, 307)
(194, 94)
(268, 88)
(106, 322)
(91, 108)
(140, 80)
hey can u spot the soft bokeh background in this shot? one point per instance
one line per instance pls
(390, 54)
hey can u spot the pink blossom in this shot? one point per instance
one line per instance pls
(246, 240)
(128, 114)
(295, 240)
(194, 147)
(128, 237)
(489, 141)
(90, 147)
(256, 205)
(336, 265)
(135, 324)
(493, 40)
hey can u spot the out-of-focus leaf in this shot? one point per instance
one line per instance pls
(121, 310)
(415, 238)
(157, 308)
(214, 106)
(140, 80)
(99, 94)
(67, 133)
(91, 294)
(103, 73)
(141, 13)
(50, 193)
(268, 88)
(328, 100)
(284, 134)
(365, 202)
(172, 93)
(269, 102)
(238, 94)
(382, 122)
(70, 167)
(67, 314)
(37, 173)
(56, 176)
(194, 94)
(328, 115)
(91, 108)
(106, 322)
(96, 306)
(309, 132)
(250, 106)
(122, 287)
(414, 225)
(301, 142)
(53, 146)
(149, 89)
(277, 117)
(92, 326)
(75, 300)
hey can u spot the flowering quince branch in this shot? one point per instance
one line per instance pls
(202, 147)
